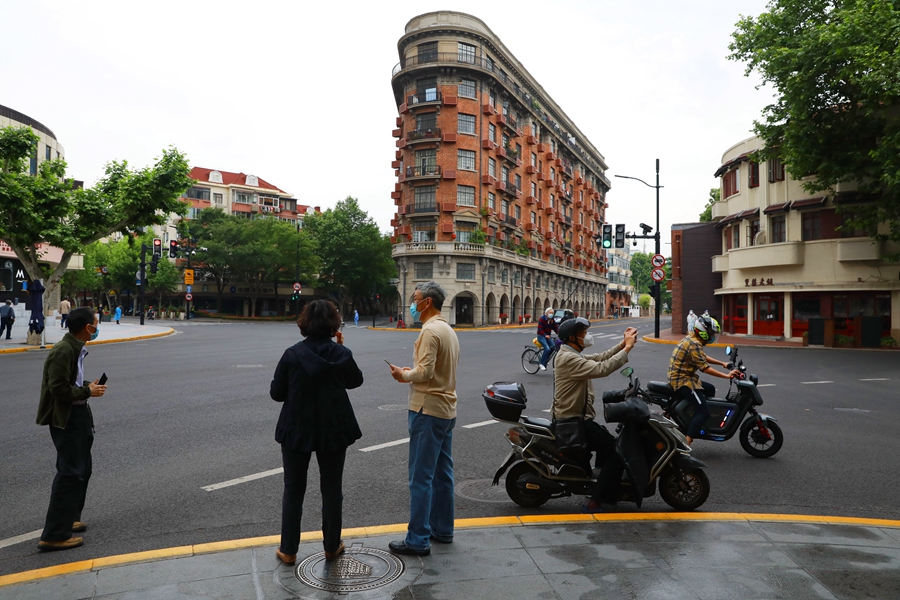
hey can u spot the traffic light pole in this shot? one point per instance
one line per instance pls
(143, 278)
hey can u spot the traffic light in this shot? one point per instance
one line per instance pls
(157, 247)
(154, 265)
(607, 236)
(295, 296)
(173, 249)
(620, 235)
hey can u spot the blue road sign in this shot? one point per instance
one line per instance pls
(233, 289)
(188, 289)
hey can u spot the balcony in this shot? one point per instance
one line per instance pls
(766, 255)
(417, 136)
(509, 221)
(854, 249)
(509, 122)
(426, 98)
(508, 187)
(422, 208)
(720, 263)
(510, 154)
(423, 172)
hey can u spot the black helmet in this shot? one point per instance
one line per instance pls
(571, 328)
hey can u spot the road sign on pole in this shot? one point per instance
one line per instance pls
(189, 276)
(188, 289)
(658, 260)
(188, 297)
(658, 274)
(297, 287)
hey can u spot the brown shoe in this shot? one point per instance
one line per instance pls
(288, 559)
(72, 542)
(79, 526)
(336, 553)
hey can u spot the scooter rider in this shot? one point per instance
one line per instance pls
(573, 395)
(546, 326)
(687, 360)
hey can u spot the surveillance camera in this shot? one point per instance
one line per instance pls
(647, 229)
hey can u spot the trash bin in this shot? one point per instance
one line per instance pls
(816, 332)
(871, 332)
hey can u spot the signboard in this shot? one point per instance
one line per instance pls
(189, 290)
(137, 277)
(188, 297)
(658, 260)
(296, 287)
(658, 274)
(189, 276)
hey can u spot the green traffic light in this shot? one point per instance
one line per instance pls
(607, 243)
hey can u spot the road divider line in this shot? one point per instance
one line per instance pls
(25, 537)
(244, 479)
(876, 379)
(385, 445)
(765, 385)
(814, 382)
(481, 424)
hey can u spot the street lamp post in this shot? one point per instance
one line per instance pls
(656, 236)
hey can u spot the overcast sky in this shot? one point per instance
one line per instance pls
(299, 94)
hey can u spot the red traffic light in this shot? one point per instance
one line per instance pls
(157, 247)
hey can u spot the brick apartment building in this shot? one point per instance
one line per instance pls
(499, 195)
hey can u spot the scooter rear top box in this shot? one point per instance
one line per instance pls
(505, 400)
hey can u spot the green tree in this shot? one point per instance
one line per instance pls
(46, 209)
(644, 301)
(355, 256)
(706, 215)
(640, 272)
(835, 66)
(217, 232)
(164, 281)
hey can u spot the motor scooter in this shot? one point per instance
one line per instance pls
(760, 435)
(654, 452)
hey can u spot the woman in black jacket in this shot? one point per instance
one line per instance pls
(312, 379)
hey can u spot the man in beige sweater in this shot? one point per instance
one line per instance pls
(431, 417)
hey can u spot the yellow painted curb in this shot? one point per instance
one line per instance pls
(524, 520)
(653, 340)
(94, 343)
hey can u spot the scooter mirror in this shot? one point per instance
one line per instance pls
(626, 372)
(728, 350)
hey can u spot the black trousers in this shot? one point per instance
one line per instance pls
(331, 475)
(73, 471)
(601, 441)
(701, 411)
(7, 325)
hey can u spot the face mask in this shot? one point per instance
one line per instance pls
(95, 334)
(413, 310)
(588, 340)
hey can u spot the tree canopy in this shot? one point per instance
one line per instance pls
(46, 208)
(835, 66)
(706, 215)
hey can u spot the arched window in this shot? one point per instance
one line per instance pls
(253, 180)
(215, 177)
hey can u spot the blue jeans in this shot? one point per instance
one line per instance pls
(545, 357)
(431, 502)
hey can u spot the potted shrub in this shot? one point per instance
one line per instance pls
(504, 318)
(528, 318)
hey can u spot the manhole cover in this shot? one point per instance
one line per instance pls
(393, 407)
(356, 570)
(481, 490)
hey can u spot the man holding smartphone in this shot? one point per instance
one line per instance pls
(63, 406)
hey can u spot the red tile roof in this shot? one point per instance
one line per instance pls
(202, 175)
(809, 202)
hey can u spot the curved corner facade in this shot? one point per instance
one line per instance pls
(499, 195)
(48, 147)
(785, 264)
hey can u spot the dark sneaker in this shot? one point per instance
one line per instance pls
(400, 547)
(72, 542)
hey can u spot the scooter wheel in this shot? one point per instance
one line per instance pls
(756, 443)
(519, 492)
(684, 489)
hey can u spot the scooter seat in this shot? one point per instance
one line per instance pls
(536, 421)
(658, 387)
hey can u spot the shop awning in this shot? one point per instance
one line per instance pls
(724, 168)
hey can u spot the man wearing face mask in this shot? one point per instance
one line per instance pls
(573, 396)
(431, 418)
(63, 406)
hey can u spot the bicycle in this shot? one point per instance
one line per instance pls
(531, 358)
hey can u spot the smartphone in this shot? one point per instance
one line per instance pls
(102, 380)
(386, 361)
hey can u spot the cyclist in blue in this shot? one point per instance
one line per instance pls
(546, 326)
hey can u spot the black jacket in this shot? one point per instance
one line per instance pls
(312, 379)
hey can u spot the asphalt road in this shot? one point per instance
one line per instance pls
(192, 410)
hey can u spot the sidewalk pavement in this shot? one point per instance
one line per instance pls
(667, 337)
(629, 555)
(128, 330)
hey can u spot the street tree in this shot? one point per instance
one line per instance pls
(45, 209)
(164, 281)
(355, 256)
(706, 215)
(835, 67)
(217, 232)
(640, 272)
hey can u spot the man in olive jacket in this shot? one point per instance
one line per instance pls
(63, 406)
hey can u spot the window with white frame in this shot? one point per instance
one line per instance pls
(218, 199)
(466, 88)
(465, 195)
(464, 231)
(465, 160)
(492, 167)
(492, 132)
(466, 124)
(492, 200)
(465, 53)
(242, 197)
(424, 230)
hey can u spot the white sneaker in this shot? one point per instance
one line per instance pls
(542, 367)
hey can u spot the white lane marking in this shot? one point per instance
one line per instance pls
(248, 366)
(766, 385)
(20, 538)
(876, 379)
(385, 445)
(246, 478)
(814, 382)
(481, 424)
(548, 410)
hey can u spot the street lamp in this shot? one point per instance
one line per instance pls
(656, 237)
